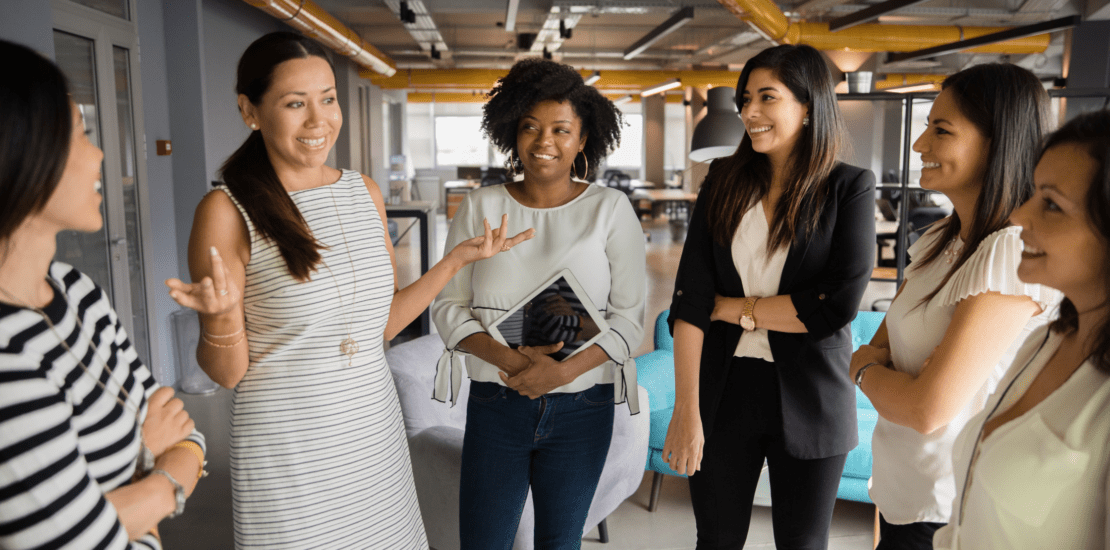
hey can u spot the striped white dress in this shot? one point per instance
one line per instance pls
(319, 457)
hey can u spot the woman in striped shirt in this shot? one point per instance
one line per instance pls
(76, 470)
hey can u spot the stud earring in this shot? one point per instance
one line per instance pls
(335, 116)
(254, 126)
(805, 121)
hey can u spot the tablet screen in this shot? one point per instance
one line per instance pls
(555, 313)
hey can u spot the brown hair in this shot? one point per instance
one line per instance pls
(743, 178)
(248, 173)
(1009, 107)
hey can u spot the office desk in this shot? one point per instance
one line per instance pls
(669, 198)
(424, 212)
(456, 190)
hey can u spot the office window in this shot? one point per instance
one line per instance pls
(460, 141)
(674, 137)
(418, 130)
(630, 154)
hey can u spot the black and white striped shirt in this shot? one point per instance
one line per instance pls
(65, 441)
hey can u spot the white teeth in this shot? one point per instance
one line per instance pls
(930, 165)
(312, 142)
(759, 129)
(543, 157)
(1031, 249)
(97, 186)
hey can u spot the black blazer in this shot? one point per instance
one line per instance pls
(825, 276)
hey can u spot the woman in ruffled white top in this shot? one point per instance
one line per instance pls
(1032, 468)
(959, 317)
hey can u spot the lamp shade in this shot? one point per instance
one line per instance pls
(720, 131)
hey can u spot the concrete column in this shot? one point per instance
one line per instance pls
(348, 145)
(654, 122)
(695, 172)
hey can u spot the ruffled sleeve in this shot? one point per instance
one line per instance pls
(993, 268)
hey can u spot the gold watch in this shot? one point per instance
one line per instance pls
(747, 318)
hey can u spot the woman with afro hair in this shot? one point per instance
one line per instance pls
(533, 421)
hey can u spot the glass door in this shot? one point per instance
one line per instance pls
(97, 55)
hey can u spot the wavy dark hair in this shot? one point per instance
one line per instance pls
(734, 183)
(248, 173)
(34, 136)
(1091, 132)
(1009, 107)
(533, 80)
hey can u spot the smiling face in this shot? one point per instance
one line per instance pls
(299, 116)
(953, 150)
(548, 139)
(772, 115)
(75, 203)
(1062, 248)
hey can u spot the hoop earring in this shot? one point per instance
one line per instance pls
(512, 166)
(574, 170)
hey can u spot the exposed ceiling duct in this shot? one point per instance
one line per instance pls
(767, 19)
(310, 19)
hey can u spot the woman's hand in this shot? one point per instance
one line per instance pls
(867, 354)
(542, 374)
(485, 246)
(216, 295)
(682, 450)
(167, 422)
(727, 309)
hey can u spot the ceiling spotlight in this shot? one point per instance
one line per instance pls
(546, 54)
(907, 88)
(436, 54)
(660, 88)
(406, 14)
(565, 32)
(593, 78)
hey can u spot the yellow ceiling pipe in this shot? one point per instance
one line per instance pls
(313, 21)
(769, 21)
(462, 97)
(899, 80)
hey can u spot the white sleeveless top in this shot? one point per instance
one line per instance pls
(911, 478)
(760, 274)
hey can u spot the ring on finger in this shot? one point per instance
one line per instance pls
(223, 292)
(505, 248)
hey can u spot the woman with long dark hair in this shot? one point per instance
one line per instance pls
(533, 421)
(1032, 468)
(959, 317)
(94, 453)
(296, 291)
(777, 257)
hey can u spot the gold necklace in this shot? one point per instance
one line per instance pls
(349, 346)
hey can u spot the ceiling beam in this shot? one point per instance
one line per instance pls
(680, 18)
(1010, 34)
(870, 14)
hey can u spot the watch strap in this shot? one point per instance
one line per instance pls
(178, 492)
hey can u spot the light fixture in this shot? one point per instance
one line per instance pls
(907, 88)
(622, 100)
(406, 14)
(992, 38)
(565, 32)
(593, 78)
(546, 54)
(680, 18)
(435, 53)
(720, 131)
(660, 88)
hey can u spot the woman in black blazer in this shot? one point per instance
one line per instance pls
(779, 251)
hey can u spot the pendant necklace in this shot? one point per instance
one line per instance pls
(349, 346)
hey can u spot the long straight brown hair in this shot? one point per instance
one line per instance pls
(1009, 107)
(736, 182)
(248, 173)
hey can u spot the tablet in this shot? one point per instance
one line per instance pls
(558, 310)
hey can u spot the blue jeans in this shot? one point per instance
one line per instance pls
(557, 444)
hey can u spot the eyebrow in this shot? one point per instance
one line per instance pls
(537, 120)
(763, 89)
(939, 120)
(324, 91)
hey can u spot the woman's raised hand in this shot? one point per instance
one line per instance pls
(492, 242)
(215, 295)
(167, 422)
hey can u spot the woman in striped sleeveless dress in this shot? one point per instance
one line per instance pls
(294, 255)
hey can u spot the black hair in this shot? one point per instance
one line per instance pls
(736, 182)
(35, 134)
(534, 80)
(248, 173)
(1009, 107)
(1091, 132)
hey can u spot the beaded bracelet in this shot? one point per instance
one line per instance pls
(215, 345)
(210, 335)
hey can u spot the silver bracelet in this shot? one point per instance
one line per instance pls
(178, 492)
(863, 369)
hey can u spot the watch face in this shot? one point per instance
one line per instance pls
(747, 323)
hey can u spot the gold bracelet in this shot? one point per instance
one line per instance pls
(210, 335)
(215, 345)
(194, 448)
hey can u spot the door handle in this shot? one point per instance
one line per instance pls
(116, 241)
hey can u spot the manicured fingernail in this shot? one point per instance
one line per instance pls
(212, 250)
